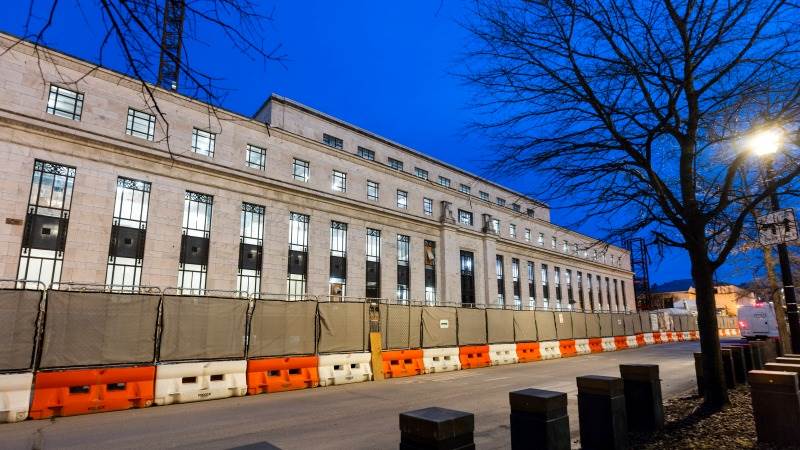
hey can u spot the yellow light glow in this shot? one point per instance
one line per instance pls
(765, 142)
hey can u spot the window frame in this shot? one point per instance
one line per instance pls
(262, 152)
(305, 165)
(53, 97)
(332, 141)
(212, 139)
(133, 115)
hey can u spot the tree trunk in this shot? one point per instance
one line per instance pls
(716, 394)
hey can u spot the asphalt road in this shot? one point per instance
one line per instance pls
(357, 416)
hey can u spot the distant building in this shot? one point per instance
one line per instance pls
(727, 297)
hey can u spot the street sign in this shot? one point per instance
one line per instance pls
(777, 227)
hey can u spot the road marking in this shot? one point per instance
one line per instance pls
(498, 378)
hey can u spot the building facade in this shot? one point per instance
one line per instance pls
(101, 187)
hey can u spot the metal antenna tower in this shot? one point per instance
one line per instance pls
(640, 261)
(171, 42)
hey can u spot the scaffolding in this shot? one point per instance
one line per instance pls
(640, 261)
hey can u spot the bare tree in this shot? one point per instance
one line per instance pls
(639, 109)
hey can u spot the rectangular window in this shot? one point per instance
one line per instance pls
(501, 201)
(251, 249)
(464, 188)
(515, 283)
(45, 233)
(530, 212)
(553, 243)
(467, 278)
(140, 124)
(516, 207)
(464, 217)
(444, 181)
(373, 278)
(339, 181)
(332, 141)
(616, 295)
(65, 103)
(301, 170)
(557, 284)
(531, 285)
(512, 230)
(338, 261)
(402, 199)
(501, 285)
(484, 196)
(372, 190)
(608, 293)
(396, 164)
(421, 173)
(527, 234)
(496, 226)
(366, 153)
(297, 272)
(568, 280)
(565, 247)
(403, 274)
(427, 206)
(128, 231)
(580, 291)
(589, 291)
(540, 239)
(599, 285)
(255, 157)
(203, 142)
(430, 272)
(545, 286)
(195, 243)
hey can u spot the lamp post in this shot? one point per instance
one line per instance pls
(766, 144)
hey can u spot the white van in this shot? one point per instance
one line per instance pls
(757, 320)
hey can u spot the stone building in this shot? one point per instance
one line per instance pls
(99, 187)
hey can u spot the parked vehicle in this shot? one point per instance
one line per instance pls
(757, 320)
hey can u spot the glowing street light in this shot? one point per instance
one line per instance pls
(765, 142)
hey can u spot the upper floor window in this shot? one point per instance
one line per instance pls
(256, 157)
(527, 234)
(512, 230)
(531, 212)
(464, 217)
(427, 206)
(444, 181)
(366, 153)
(395, 164)
(501, 201)
(465, 189)
(484, 196)
(421, 173)
(496, 226)
(65, 103)
(339, 182)
(141, 124)
(565, 247)
(332, 141)
(540, 239)
(402, 199)
(300, 170)
(553, 242)
(372, 190)
(203, 142)
(516, 207)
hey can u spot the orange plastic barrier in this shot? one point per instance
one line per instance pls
(85, 391)
(528, 351)
(567, 347)
(621, 342)
(596, 345)
(670, 337)
(282, 374)
(657, 337)
(402, 363)
(640, 340)
(679, 336)
(694, 335)
(473, 356)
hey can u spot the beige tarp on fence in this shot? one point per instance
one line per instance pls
(578, 325)
(628, 320)
(18, 312)
(500, 326)
(563, 321)
(439, 327)
(280, 328)
(524, 326)
(197, 328)
(617, 324)
(98, 328)
(647, 325)
(693, 323)
(637, 323)
(400, 326)
(343, 327)
(606, 327)
(471, 326)
(546, 326)
(593, 325)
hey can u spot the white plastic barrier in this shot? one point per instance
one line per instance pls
(550, 349)
(441, 359)
(582, 347)
(687, 336)
(631, 341)
(608, 344)
(15, 396)
(344, 368)
(196, 381)
(503, 354)
(649, 339)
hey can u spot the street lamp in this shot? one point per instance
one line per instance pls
(766, 143)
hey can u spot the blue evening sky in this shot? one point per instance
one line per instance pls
(384, 66)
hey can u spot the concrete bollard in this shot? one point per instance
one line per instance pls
(768, 350)
(601, 412)
(539, 420)
(783, 367)
(644, 406)
(739, 369)
(747, 355)
(698, 372)
(776, 406)
(787, 360)
(727, 368)
(437, 428)
(758, 356)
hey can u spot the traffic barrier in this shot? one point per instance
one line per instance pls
(550, 350)
(567, 348)
(640, 342)
(621, 342)
(657, 337)
(679, 336)
(596, 345)
(441, 359)
(631, 341)
(609, 344)
(503, 354)
(266, 375)
(582, 346)
(528, 351)
(86, 391)
(649, 339)
(402, 363)
(15, 396)
(197, 381)
(344, 368)
(474, 356)
(670, 337)
(695, 335)
(687, 336)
